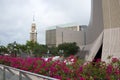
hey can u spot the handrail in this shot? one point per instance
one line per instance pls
(26, 72)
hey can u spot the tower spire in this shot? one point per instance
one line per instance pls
(33, 18)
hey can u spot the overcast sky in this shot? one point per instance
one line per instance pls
(16, 17)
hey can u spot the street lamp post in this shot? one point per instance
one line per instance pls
(0, 49)
(48, 52)
(15, 49)
(10, 50)
(27, 51)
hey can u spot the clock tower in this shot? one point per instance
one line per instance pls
(33, 32)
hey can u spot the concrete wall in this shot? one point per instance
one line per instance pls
(111, 13)
(105, 16)
(94, 32)
(63, 36)
(51, 37)
(111, 41)
(95, 26)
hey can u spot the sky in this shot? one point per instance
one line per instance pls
(16, 17)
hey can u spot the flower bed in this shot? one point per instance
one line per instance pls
(60, 69)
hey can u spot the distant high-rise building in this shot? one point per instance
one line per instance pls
(33, 32)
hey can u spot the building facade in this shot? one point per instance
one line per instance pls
(111, 19)
(103, 30)
(60, 35)
(51, 37)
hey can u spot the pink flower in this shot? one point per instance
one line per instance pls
(115, 60)
(58, 77)
(117, 71)
(81, 78)
(109, 69)
(81, 69)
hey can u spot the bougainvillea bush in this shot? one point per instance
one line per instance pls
(76, 70)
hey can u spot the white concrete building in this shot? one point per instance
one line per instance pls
(60, 35)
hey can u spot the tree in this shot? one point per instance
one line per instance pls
(37, 49)
(3, 49)
(53, 50)
(14, 48)
(68, 48)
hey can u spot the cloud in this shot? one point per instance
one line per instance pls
(76, 10)
(16, 17)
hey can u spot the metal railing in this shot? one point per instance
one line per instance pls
(10, 73)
